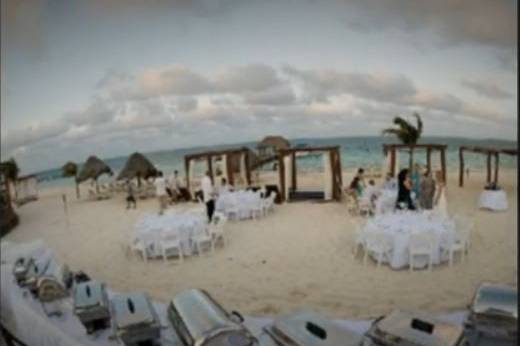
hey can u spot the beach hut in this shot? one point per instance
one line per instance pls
(288, 174)
(238, 160)
(137, 166)
(270, 145)
(8, 217)
(92, 169)
(25, 189)
(391, 153)
(489, 152)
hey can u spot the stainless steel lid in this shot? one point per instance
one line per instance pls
(89, 294)
(494, 299)
(132, 309)
(307, 328)
(419, 328)
(201, 314)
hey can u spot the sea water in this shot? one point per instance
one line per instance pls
(355, 152)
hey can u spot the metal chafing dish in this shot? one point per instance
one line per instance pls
(413, 329)
(54, 283)
(134, 319)
(200, 321)
(21, 269)
(35, 270)
(307, 328)
(494, 312)
(91, 305)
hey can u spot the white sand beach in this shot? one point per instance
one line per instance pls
(300, 255)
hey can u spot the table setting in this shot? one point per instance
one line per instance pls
(493, 199)
(242, 202)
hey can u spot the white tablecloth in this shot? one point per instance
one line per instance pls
(494, 200)
(400, 226)
(243, 201)
(186, 224)
(385, 202)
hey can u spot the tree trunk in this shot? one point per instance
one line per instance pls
(77, 190)
(411, 159)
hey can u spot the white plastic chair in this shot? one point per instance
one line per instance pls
(201, 239)
(458, 242)
(169, 240)
(358, 238)
(379, 243)
(268, 203)
(257, 210)
(216, 228)
(136, 245)
(421, 244)
(466, 224)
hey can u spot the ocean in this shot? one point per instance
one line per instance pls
(355, 152)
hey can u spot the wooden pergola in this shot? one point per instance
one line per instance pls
(209, 155)
(335, 163)
(489, 152)
(441, 148)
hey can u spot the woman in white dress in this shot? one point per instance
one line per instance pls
(440, 202)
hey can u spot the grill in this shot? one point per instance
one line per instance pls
(200, 321)
(307, 328)
(134, 319)
(91, 305)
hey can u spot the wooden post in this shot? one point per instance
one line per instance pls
(443, 166)
(392, 162)
(496, 167)
(410, 159)
(429, 159)
(333, 170)
(293, 170)
(461, 167)
(229, 169)
(247, 168)
(281, 171)
(187, 169)
(488, 177)
(210, 168)
(339, 173)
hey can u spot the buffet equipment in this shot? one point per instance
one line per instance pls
(91, 305)
(494, 312)
(134, 319)
(21, 269)
(200, 321)
(413, 329)
(307, 328)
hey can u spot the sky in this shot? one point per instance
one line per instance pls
(109, 77)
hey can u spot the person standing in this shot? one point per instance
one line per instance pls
(160, 192)
(427, 191)
(207, 195)
(404, 185)
(130, 197)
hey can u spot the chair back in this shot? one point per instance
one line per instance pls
(376, 239)
(169, 234)
(421, 240)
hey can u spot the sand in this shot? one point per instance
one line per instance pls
(300, 255)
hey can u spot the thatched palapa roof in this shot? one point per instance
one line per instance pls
(92, 169)
(137, 165)
(274, 141)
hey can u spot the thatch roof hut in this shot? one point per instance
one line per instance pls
(92, 169)
(276, 142)
(137, 166)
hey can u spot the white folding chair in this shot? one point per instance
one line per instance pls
(379, 243)
(231, 211)
(216, 228)
(358, 238)
(169, 240)
(457, 242)
(201, 239)
(268, 203)
(421, 244)
(257, 209)
(136, 245)
(462, 222)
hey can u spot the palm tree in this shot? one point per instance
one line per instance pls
(10, 169)
(70, 169)
(406, 132)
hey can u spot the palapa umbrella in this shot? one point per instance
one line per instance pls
(92, 169)
(137, 166)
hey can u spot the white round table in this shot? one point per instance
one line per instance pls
(186, 225)
(385, 202)
(493, 200)
(241, 202)
(400, 226)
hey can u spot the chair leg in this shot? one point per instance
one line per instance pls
(145, 259)
(181, 256)
(165, 258)
(365, 256)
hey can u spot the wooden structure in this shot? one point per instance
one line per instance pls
(8, 217)
(231, 155)
(489, 152)
(390, 149)
(24, 190)
(335, 168)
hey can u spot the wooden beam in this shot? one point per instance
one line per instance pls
(488, 165)
(210, 168)
(461, 167)
(187, 170)
(340, 175)
(392, 162)
(229, 169)
(293, 171)
(429, 159)
(443, 166)
(281, 171)
(496, 168)
(247, 167)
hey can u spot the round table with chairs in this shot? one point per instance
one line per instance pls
(413, 239)
(243, 204)
(493, 200)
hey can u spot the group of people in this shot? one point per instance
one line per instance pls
(415, 190)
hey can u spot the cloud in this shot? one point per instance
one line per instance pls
(487, 89)
(248, 78)
(484, 22)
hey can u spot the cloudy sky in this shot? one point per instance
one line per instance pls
(113, 76)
